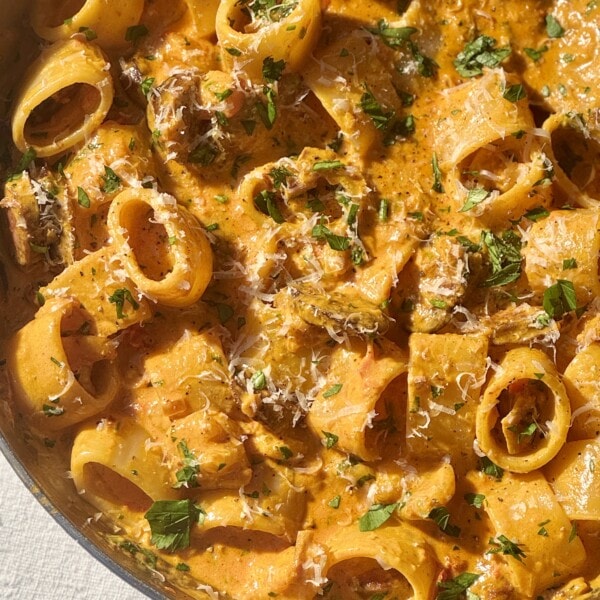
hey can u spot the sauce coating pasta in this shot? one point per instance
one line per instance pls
(303, 294)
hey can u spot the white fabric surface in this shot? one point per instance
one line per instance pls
(39, 560)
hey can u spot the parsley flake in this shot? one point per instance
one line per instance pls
(553, 28)
(171, 523)
(454, 589)
(502, 545)
(111, 181)
(119, 297)
(559, 299)
(479, 53)
(376, 516)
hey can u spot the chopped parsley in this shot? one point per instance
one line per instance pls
(527, 431)
(394, 37)
(534, 54)
(119, 297)
(480, 53)
(505, 257)
(82, 198)
(187, 476)
(553, 28)
(265, 201)
(335, 502)
(279, 176)
(441, 517)
(474, 197)
(333, 390)
(502, 545)
(376, 516)
(437, 175)
(489, 468)
(330, 439)
(336, 242)
(89, 33)
(171, 522)
(514, 93)
(272, 70)
(135, 33)
(285, 452)
(52, 411)
(542, 528)
(537, 214)
(455, 589)
(384, 210)
(258, 381)
(267, 111)
(386, 120)
(327, 165)
(559, 299)
(111, 181)
(23, 164)
(204, 153)
(146, 85)
(475, 500)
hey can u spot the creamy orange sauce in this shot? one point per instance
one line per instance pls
(372, 265)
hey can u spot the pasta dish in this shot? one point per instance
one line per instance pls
(303, 295)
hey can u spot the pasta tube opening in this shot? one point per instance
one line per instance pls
(165, 251)
(149, 241)
(61, 113)
(102, 481)
(249, 32)
(69, 377)
(525, 408)
(64, 98)
(359, 578)
(496, 167)
(576, 153)
(523, 419)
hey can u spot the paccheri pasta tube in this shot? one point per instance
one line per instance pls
(60, 374)
(250, 33)
(105, 21)
(65, 95)
(164, 250)
(525, 413)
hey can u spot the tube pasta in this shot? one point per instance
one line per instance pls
(115, 464)
(582, 381)
(217, 442)
(370, 368)
(99, 284)
(106, 20)
(397, 554)
(354, 62)
(59, 375)
(488, 144)
(519, 506)
(566, 237)
(64, 97)
(524, 416)
(574, 479)
(164, 250)
(287, 31)
(445, 373)
(270, 502)
(204, 15)
(575, 152)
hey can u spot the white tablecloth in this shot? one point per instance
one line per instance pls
(39, 560)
